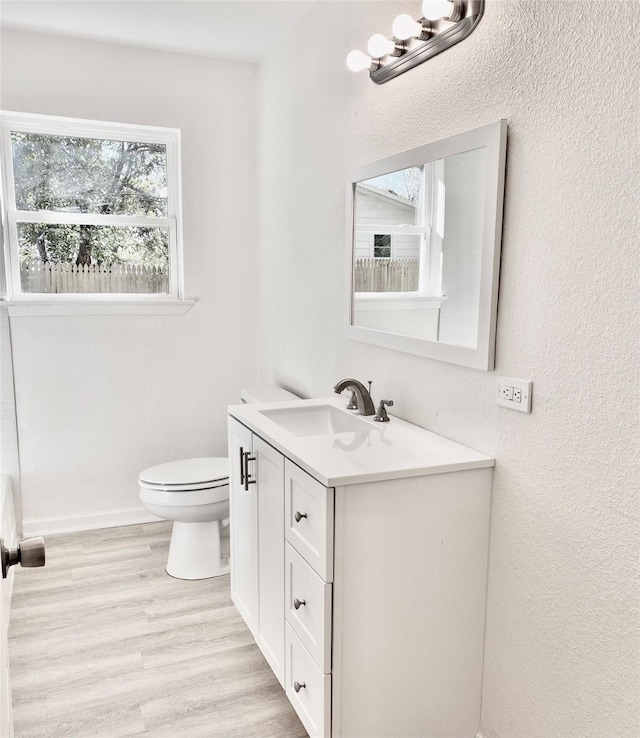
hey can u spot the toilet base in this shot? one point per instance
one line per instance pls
(195, 551)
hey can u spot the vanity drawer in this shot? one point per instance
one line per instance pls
(309, 519)
(312, 700)
(311, 619)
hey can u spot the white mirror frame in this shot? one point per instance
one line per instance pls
(494, 137)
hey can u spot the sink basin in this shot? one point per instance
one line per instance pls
(317, 420)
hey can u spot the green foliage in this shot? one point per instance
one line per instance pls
(68, 174)
(89, 244)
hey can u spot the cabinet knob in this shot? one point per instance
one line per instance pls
(298, 686)
(297, 603)
(298, 516)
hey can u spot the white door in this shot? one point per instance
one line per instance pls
(10, 540)
(269, 472)
(243, 527)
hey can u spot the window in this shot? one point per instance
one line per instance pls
(382, 246)
(92, 209)
(393, 233)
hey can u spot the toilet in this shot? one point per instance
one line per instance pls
(194, 493)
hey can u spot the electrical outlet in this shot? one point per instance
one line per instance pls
(514, 394)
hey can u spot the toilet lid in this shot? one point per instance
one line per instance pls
(187, 472)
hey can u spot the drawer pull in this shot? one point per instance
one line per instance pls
(298, 686)
(297, 603)
(298, 516)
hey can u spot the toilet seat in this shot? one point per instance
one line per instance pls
(184, 498)
(186, 474)
(183, 487)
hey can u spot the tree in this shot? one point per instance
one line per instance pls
(86, 175)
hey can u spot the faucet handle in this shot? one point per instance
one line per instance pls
(381, 415)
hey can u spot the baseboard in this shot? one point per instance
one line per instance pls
(75, 523)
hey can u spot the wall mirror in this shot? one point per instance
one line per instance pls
(424, 230)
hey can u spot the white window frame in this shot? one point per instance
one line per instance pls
(61, 126)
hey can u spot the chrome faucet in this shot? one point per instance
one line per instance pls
(363, 397)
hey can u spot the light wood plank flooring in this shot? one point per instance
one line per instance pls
(103, 643)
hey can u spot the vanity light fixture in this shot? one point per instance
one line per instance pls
(443, 24)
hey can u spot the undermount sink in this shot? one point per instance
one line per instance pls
(317, 420)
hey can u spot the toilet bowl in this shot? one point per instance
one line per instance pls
(194, 494)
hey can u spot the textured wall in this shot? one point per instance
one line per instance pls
(101, 398)
(562, 628)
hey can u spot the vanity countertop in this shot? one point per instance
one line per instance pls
(375, 452)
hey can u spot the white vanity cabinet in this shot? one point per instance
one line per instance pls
(381, 565)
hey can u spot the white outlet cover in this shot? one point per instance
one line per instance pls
(525, 387)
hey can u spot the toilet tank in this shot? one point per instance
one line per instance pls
(266, 393)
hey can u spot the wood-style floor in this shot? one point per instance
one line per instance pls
(103, 643)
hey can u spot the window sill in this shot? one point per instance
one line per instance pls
(397, 296)
(55, 308)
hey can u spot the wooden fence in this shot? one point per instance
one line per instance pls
(386, 275)
(45, 276)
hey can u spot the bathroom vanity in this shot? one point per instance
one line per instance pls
(359, 562)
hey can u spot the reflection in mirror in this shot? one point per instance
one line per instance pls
(425, 247)
(417, 249)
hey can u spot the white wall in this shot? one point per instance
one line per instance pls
(101, 398)
(562, 631)
(9, 461)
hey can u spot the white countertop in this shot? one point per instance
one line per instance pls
(383, 451)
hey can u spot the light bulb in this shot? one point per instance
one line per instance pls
(404, 27)
(436, 9)
(357, 60)
(380, 46)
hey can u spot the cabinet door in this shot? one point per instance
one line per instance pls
(244, 528)
(268, 469)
